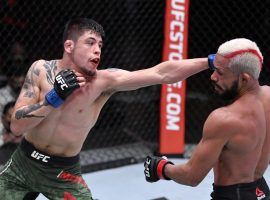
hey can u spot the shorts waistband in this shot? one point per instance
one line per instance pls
(253, 184)
(44, 158)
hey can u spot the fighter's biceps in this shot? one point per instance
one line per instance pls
(30, 92)
(209, 150)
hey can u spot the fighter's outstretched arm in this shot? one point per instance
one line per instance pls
(174, 71)
(164, 73)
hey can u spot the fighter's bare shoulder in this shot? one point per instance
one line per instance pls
(112, 71)
(42, 65)
(266, 90)
(112, 77)
(42, 70)
(35, 70)
(111, 74)
(222, 121)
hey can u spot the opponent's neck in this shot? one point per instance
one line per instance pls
(251, 88)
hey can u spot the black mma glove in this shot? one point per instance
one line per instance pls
(154, 168)
(65, 83)
(211, 59)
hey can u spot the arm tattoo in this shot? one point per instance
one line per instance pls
(50, 67)
(26, 112)
(29, 83)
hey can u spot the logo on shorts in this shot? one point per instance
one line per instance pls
(260, 194)
(40, 156)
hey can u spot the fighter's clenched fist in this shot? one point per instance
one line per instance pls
(154, 168)
(65, 83)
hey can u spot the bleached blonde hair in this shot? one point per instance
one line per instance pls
(245, 56)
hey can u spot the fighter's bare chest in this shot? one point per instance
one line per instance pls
(86, 94)
(83, 102)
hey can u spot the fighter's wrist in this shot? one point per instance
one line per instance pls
(161, 169)
(53, 99)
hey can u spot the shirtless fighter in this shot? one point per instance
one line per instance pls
(236, 137)
(60, 103)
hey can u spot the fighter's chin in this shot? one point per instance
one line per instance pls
(90, 73)
(218, 92)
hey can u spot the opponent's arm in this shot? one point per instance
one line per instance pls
(203, 158)
(163, 73)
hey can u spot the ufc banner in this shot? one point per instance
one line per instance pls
(172, 111)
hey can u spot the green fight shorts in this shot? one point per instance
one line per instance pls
(31, 170)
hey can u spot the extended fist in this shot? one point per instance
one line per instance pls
(211, 59)
(65, 83)
(154, 168)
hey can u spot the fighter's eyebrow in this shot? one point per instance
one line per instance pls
(92, 38)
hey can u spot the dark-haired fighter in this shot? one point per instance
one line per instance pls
(60, 103)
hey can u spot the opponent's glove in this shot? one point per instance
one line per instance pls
(64, 84)
(211, 59)
(154, 168)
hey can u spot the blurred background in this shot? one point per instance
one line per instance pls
(128, 127)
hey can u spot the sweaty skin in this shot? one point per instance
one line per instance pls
(62, 131)
(236, 139)
(244, 140)
(264, 160)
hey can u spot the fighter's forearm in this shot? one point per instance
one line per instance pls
(182, 174)
(174, 71)
(27, 117)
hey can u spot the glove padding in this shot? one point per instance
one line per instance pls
(65, 83)
(211, 59)
(154, 168)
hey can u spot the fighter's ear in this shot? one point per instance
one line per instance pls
(245, 77)
(68, 46)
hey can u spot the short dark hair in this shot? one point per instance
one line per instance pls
(8, 106)
(76, 27)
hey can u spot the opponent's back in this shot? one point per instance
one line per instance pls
(245, 131)
(264, 96)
